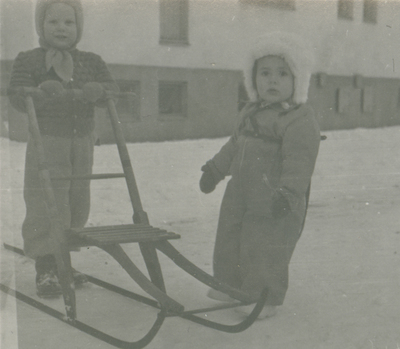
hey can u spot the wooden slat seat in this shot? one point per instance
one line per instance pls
(119, 234)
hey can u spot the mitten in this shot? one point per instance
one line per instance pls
(93, 91)
(280, 206)
(52, 88)
(53, 95)
(207, 181)
(210, 178)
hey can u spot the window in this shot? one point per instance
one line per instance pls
(344, 96)
(243, 98)
(128, 108)
(174, 17)
(370, 11)
(345, 9)
(172, 98)
(368, 103)
(279, 4)
(398, 100)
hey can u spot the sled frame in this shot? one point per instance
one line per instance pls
(110, 238)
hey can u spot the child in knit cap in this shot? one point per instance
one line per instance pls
(66, 125)
(271, 158)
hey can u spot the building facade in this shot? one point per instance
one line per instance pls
(183, 60)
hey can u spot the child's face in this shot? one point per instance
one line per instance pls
(274, 79)
(59, 26)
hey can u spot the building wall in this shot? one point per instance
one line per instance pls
(212, 104)
(340, 102)
(357, 62)
(343, 102)
(220, 33)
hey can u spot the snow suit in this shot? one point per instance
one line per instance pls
(273, 149)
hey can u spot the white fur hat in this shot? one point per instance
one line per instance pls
(296, 53)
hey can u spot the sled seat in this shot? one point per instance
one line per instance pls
(118, 234)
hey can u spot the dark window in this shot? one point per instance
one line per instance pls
(279, 4)
(172, 98)
(174, 18)
(128, 108)
(398, 100)
(345, 9)
(367, 102)
(344, 96)
(243, 98)
(370, 11)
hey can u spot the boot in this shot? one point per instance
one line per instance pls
(47, 283)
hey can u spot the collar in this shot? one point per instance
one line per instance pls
(278, 106)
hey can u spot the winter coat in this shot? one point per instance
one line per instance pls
(60, 116)
(273, 150)
(278, 157)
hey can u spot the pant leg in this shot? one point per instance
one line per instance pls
(226, 250)
(36, 226)
(266, 248)
(79, 194)
(45, 264)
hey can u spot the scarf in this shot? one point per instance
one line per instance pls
(62, 63)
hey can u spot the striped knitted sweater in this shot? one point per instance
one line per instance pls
(60, 116)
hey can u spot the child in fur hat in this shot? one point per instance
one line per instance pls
(271, 158)
(66, 126)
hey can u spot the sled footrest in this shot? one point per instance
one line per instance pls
(118, 234)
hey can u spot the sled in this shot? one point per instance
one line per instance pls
(110, 238)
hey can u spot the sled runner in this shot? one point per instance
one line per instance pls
(110, 238)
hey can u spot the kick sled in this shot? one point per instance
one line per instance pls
(110, 238)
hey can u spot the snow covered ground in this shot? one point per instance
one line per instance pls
(344, 277)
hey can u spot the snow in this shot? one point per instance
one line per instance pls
(344, 275)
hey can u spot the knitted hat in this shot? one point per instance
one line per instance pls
(296, 54)
(41, 8)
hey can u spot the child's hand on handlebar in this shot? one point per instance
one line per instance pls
(93, 91)
(52, 88)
